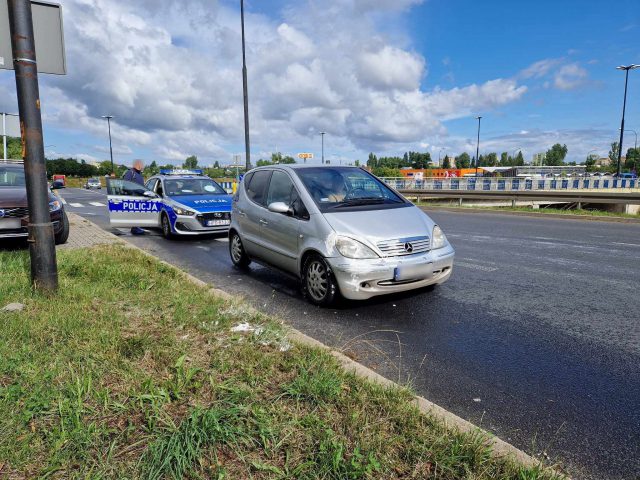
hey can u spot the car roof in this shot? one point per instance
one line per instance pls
(298, 166)
(172, 177)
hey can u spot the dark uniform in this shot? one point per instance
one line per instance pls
(135, 176)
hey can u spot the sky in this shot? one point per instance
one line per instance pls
(382, 76)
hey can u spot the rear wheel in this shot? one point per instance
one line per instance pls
(236, 250)
(63, 235)
(319, 284)
(166, 226)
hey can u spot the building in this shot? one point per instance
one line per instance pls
(538, 158)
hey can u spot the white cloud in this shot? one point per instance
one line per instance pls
(563, 76)
(569, 77)
(170, 74)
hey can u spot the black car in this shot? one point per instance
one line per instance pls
(14, 210)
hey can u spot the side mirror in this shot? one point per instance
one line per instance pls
(150, 194)
(280, 207)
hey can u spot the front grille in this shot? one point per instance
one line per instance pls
(15, 212)
(204, 217)
(404, 246)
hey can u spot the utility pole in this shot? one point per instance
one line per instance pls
(322, 134)
(109, 117)
(44, 271)
(478, 146)
(624, 107)
(245, 94)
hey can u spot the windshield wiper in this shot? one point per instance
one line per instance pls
(360, 201)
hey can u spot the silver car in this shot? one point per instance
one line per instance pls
(340, 230)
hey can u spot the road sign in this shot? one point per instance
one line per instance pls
(9, 125)
(48, 33)
(305, 155)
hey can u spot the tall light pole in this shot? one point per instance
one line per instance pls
(322, 134)
(245, 94)
(478, 146)
(440, 156)
(635, 145)
(109, 117)
(624, 107)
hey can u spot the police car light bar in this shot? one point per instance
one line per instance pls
(180, 171)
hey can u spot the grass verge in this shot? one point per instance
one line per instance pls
(132, 372)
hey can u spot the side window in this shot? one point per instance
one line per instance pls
(117, 186)
(280, 188)
(256, 190)
(299, 210)
(158, 189)
(150, 185)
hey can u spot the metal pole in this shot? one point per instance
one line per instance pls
(4, 136)
(624, 107)
(322, 134)
(245, 94)
(44, 272)
(113, 171)
(478, 147)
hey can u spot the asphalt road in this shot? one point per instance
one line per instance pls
(536, 337)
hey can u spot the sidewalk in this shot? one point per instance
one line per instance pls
(85, 234)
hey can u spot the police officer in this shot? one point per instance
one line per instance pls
(134, 174)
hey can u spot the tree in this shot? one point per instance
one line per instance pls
(386, 172)
(14, 148)
(505, 159)
(463, 160)
(372, 161)
(613, 153)
(216, 164)
(555, 155)
(446, 163)
(151, 169)
(519, 160)
(191, 162)
(357, 163)
(632, 162)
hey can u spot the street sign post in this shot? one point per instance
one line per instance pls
(49, 38)
(304, 156)
(19, 17)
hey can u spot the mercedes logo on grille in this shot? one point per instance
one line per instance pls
(408, 247)
(1, 213)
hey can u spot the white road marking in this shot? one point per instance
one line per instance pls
(626, 244)
(76, 205)
(223, 240)
(473, 266)
(97, 204)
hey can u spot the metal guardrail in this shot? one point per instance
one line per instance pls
(481, 184)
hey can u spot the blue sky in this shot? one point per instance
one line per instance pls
(377, 75)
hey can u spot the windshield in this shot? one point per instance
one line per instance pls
(11, 177)
(343, 187)
(192, 186)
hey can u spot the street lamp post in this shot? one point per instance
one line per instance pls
(245, 94)
(322, 134)
(109, 117)
(478, 146)
(635, 145)
(624, 107)
(440, 157)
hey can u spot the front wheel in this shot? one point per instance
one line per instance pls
(238, 255)
(319, 284)
(63, 235)
(166, 226)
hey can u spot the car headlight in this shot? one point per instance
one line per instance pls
(183, 211)
(351, 248)
(55, 206)
(439, 239)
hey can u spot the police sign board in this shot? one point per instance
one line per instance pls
(48, 33)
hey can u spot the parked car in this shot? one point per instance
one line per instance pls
(14, 210)
(93, 183)
(340, 230)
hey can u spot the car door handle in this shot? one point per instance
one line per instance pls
(264, 222)
(241, 213)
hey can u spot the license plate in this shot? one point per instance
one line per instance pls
(217, 223)
(413, 271)
(9, 223)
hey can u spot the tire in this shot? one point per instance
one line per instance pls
(237, 252)
(63, 235)
(166, 226)
(318, 282)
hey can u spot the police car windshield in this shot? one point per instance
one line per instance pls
(192, 186)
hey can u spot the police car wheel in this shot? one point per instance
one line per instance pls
(236, 250)
(166, 226)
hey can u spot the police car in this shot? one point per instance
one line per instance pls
(180, 202)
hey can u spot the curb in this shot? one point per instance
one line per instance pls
(450, 420)
(592, 218)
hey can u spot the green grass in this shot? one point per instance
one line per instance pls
(132, 372)
(541, 210)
